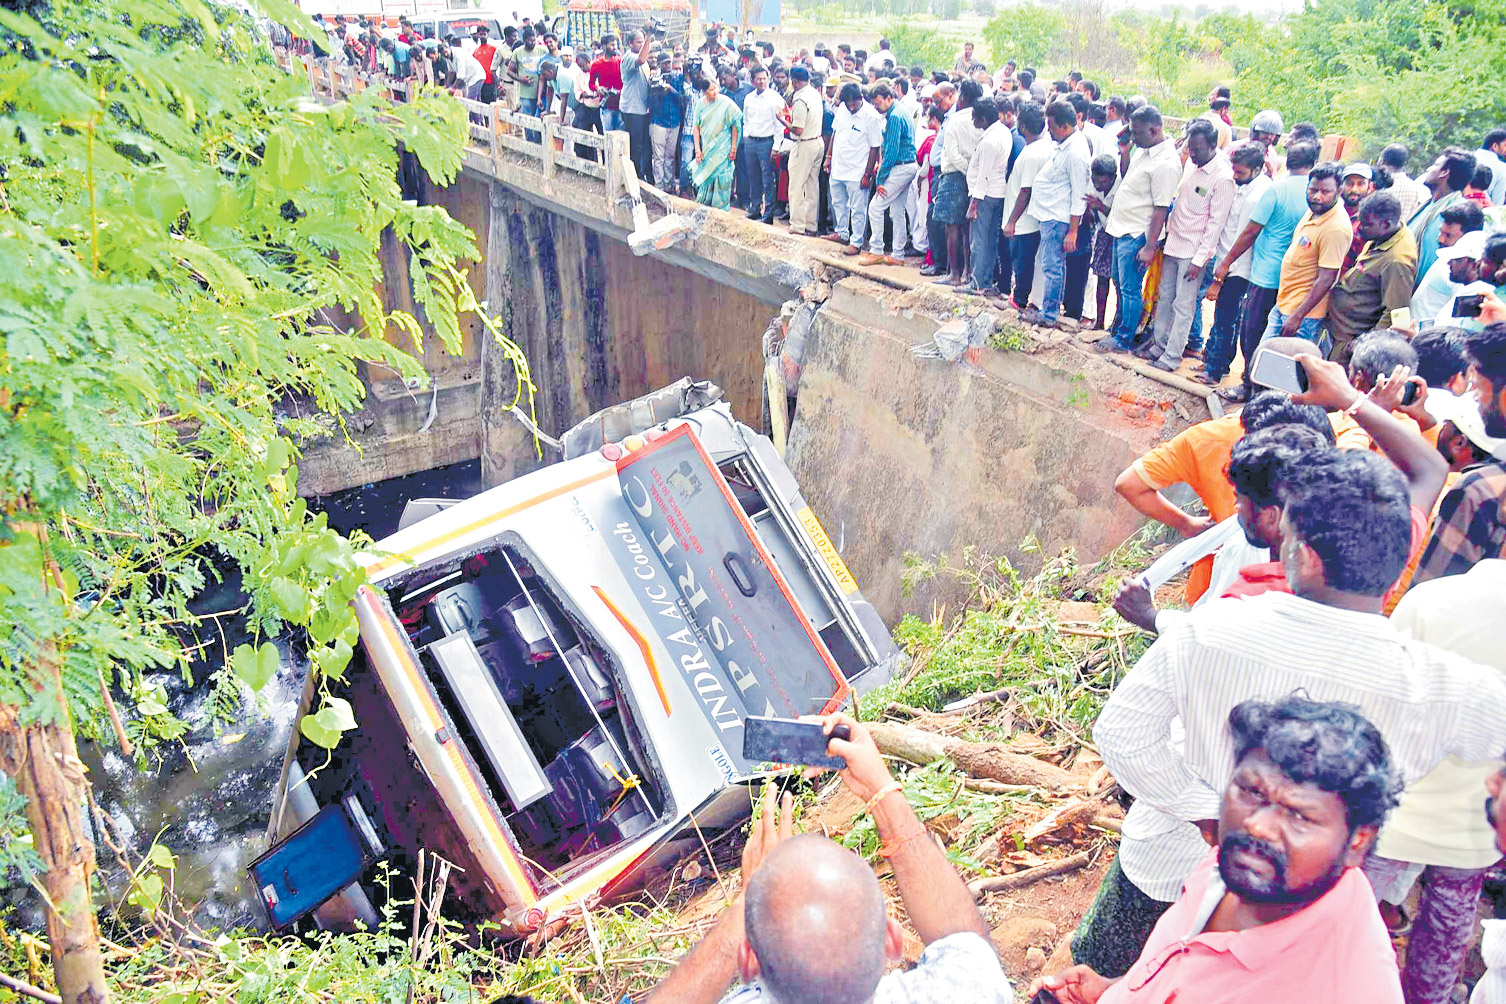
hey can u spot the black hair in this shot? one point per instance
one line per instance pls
(1116, 105)
(1061, 113)
(1300, 156)
(1381, 206)
(1482, 177)
(1006, 103)
(969, 92)
(1495, 252)
(1093, 92)
(1031, 118)
(1304, 132)
(1466, 215)
(1259, 462)
(1268, 408)
(1203, 128)
(1353, 509)
(986, 112)
(1327, 171)
(701, 83)
(1493, 138)
(1061, 85)
(1380, 177)
(1251, 155)
(1329, 745)
(1377, 353)
(1221, 97)
(1487, 352)
(1079, 103)
(935, 112)
(1098, 114)
(1440, 354)
(1395, 156)
(1146, 115)
(901, 83)
(1026, 77)
(1459, 165)
(1074, 76)
(1104, 166)
(917, 70)
(881, 90)
(850, 92)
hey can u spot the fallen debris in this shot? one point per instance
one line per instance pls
(981, 760)
(1020, 879)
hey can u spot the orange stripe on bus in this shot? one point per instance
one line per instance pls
(641, 642)
(407, 557)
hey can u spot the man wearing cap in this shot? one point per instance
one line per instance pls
(805, 160)
(1355, 184)
(1462, 260)
(1381, 279)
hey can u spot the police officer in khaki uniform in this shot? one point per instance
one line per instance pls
(805, 160)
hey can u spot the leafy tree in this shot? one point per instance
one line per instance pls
(175, 213)
(914, 44)
(1028, 33)
(985, 8)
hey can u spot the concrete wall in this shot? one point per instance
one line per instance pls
(900, 454)
(600, 325)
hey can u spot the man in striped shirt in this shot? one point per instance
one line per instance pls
(1346, 529)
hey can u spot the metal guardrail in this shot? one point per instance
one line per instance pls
(495, 129)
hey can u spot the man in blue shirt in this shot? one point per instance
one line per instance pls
(1266, 237)
(896, 173)
(666, 97)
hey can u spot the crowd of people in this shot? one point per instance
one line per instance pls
(1317, 732)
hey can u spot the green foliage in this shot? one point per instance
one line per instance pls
(177, 220)
(927, 46)
(1028, 33)
(18, 857)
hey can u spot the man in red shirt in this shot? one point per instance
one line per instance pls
(606, 79)
(1279, 910)
(486, 54)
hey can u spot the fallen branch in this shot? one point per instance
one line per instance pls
(1029, 876)
(27, 990)
(988, 787)
(982, 760)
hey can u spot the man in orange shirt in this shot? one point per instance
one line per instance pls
(1311, 264)
(1198, 457)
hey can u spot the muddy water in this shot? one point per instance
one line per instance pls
(208, 798)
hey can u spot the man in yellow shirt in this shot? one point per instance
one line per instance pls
(1311, 264)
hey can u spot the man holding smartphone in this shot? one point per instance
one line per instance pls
(810, 924)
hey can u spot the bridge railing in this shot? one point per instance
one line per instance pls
(495, 130)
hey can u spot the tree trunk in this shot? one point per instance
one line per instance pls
(986, 760)
(43, 760)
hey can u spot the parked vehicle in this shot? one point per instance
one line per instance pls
(553, 675)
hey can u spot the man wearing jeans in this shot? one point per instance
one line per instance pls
(1247, 162)
(761, 120)
(1311, 263)
(896, 171)
(1266, 237)
(1022, 230)
(1058, 200)
(667, 98)
(1151, 172)
(1192, 233)
(856, 138)
(987, 181)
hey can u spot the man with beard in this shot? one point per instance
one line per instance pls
(1311, 264)
(1347, 524)
(1280, 910)
(1355, 184)
(1380, 281)
(1471, 523)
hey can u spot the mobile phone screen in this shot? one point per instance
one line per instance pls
(784, 740)
(1283, 372)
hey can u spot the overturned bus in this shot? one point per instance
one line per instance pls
(553, 675)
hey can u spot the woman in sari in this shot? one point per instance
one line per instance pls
(718, 122)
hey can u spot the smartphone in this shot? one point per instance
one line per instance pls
(1275, 369)
(1409, 393)
(1469, 305)
(1044, 996)
(785, 740)
(1401, 317)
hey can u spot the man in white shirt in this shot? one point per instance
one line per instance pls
(1489, 155)
(1438, 831)
(1058, 199)
(857, 135)
(469, 73)
(761, 110)
(1023, 230)
(1460, 261)
(1192, 235)
(960, 139)
(1140, 208)
(883, 59)
(1346, 531)
(1247, 163)
(1434, 287)
(987, 181)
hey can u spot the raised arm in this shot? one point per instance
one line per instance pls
(934, 895)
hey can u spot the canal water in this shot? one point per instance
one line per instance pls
(208, 798)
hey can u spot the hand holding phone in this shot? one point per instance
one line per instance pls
(1468, 305)
(1278, 370)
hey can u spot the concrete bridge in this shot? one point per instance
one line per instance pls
(895, 452)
